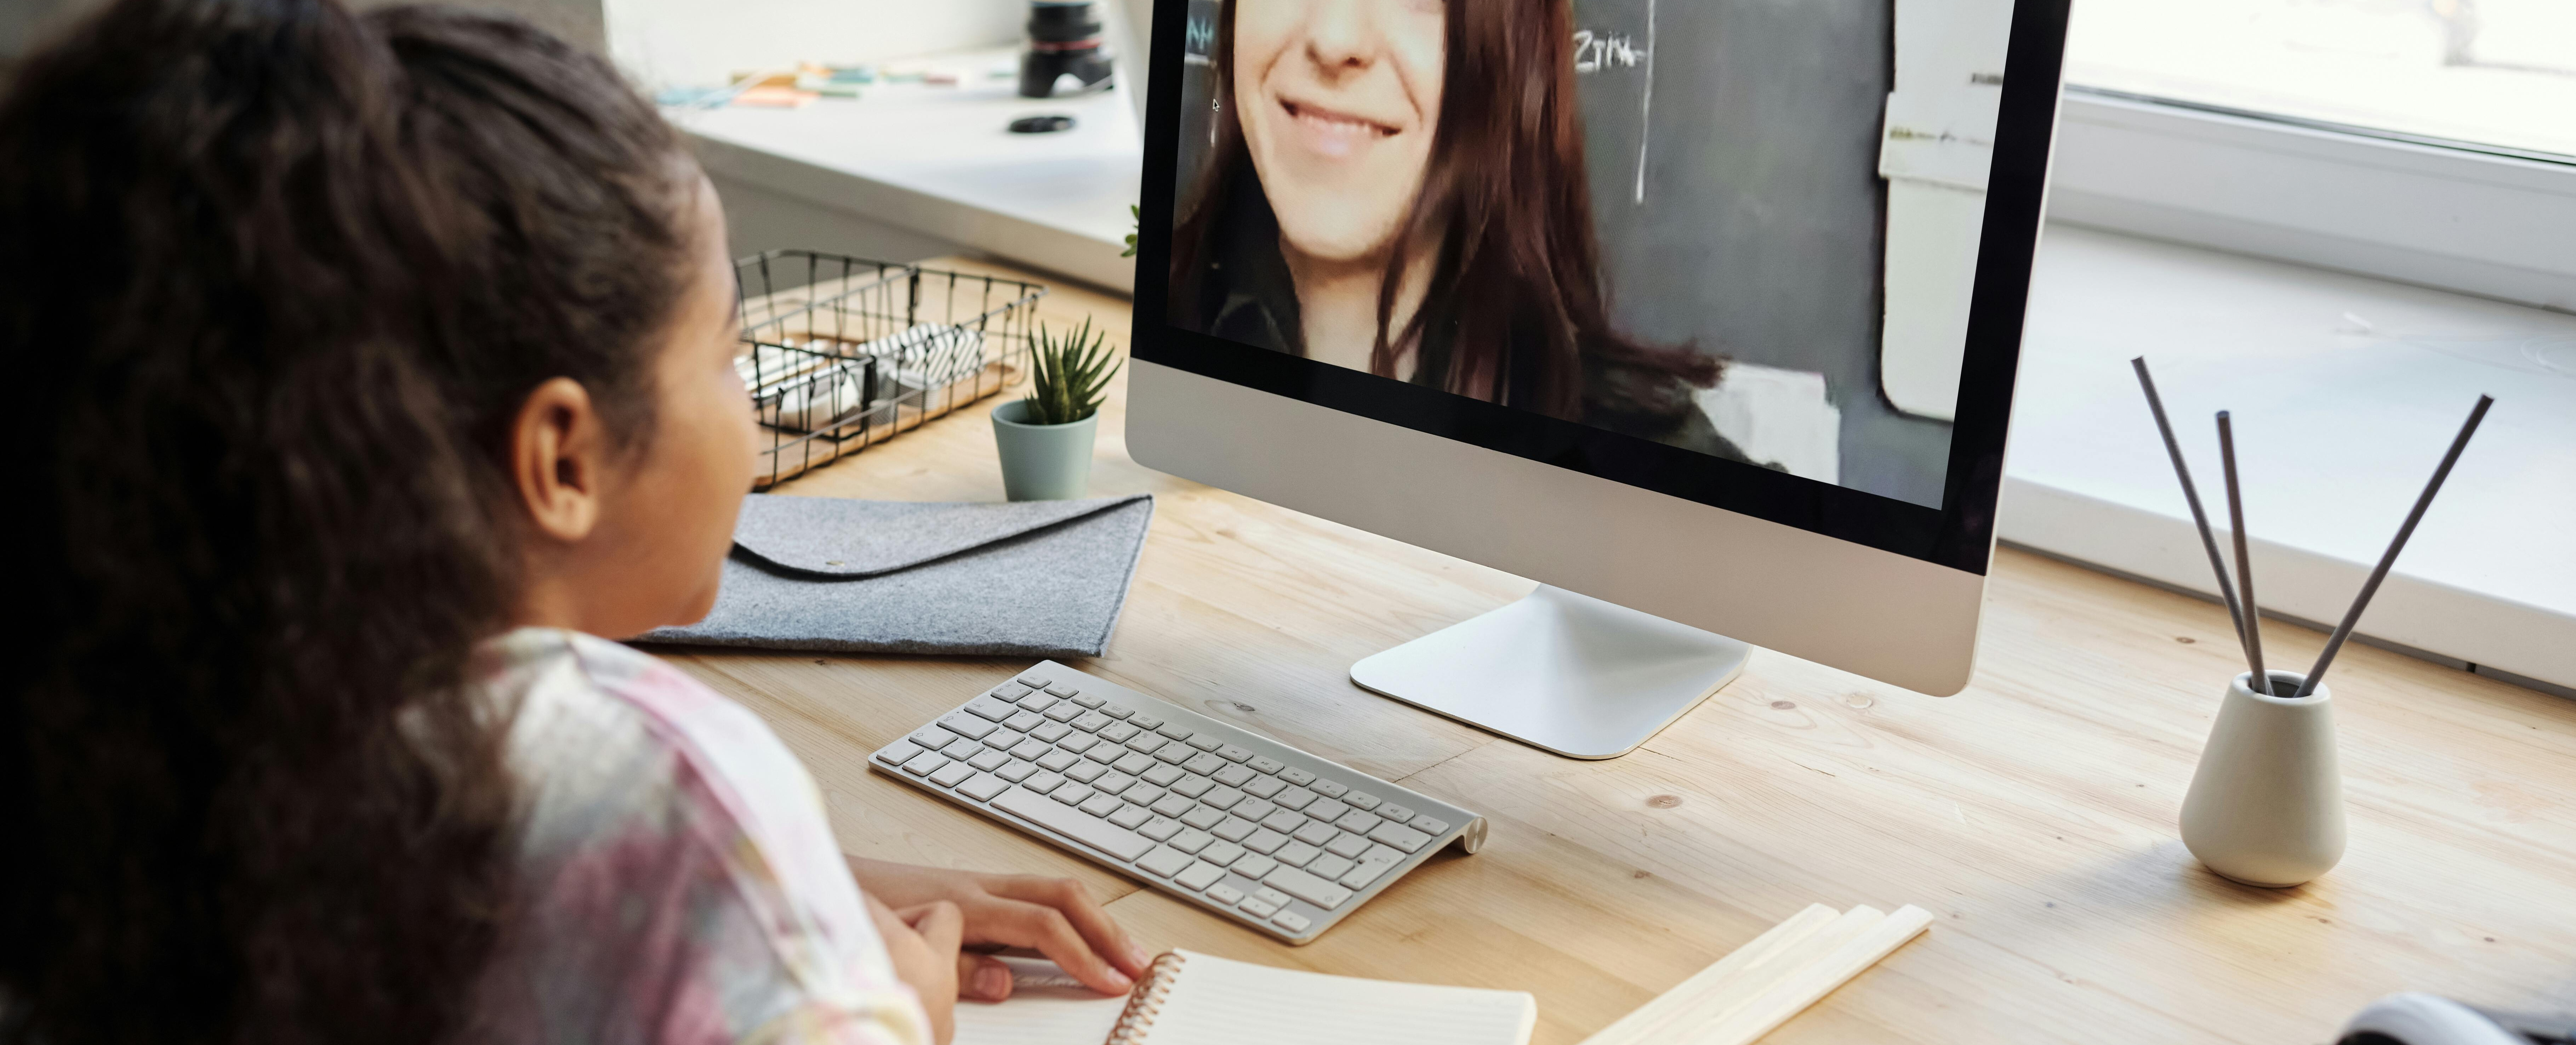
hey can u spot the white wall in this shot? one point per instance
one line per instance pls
(669, 43)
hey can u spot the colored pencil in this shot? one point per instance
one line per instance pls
(2343, 630)
(2191, 496)
(2253, 619)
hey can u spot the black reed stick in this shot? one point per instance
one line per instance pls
(2253, 618)
(2334, 642)
(2191, 496)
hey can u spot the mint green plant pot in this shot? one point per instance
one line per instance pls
(1043, 462)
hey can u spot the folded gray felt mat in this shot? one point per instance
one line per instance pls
(1028, 579)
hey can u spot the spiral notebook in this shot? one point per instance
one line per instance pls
(1197, 999)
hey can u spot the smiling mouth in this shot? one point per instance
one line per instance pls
(1330, 120)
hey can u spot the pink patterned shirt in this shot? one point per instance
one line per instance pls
(678, 879)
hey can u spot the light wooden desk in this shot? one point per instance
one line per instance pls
(2033, 814)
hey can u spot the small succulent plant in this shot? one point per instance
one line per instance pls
(1069, 375)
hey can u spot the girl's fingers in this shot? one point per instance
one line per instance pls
(1016, 923)
(1101, 933)
(941, 925)
(982, 977)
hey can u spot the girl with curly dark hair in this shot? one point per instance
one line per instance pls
(363, 368)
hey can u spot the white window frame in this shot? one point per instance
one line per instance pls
(2481, 221)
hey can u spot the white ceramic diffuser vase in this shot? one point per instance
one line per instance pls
(2266, 805)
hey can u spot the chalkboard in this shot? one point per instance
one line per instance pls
(1733, 153)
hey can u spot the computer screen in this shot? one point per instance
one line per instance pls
(1744, 229)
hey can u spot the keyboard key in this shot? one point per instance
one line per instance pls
(926, 763)
(1222, 853)
(1266, 764)
(1360, 800)
(1297, 776)
(1086, 771)
(952, 774)
(1145, 794)
(1164, 861)
(1072, 794)
(1346, 844)
(1233, 776)
(1270, 896)
(1327, 789)
(1222, 798)
(989, 709)
(1133, 764)
(1117, 710)
(1058, 759)
(1265, 841)
(1161, 774)
(1040, 702)
(1203, 763)
(1224, 894)
(1087, 700)
(1102, 805)
(1005, 739)
(1202, 816)
(1118, 732)
(1175, 731)
(1130, 817)
(1254, 866)
(1394, 812)
(966, 725)
(1043, 782)
(1199, 875)
(1024, 720)
(1259, 908)
(1174, 805)
(896, 753)
(1361, 874)
(1264, 786)
(1428, 824)
(1191, 840)
(1204, 741)
(1254, 809)
(962, 748)
(1284, 821)
(1192, 785)
(1233, 828)
(1379, 854)
(1160, 828)
(931, 737)
(1306, 887)
(1032, 749)
(1050, 731)
(1010, 691)
(983, 787)
(989, 760)
(1077, 743)
(1315, 832)
(1103, 753)
(1234, 753)
(1145, 743)
(1357, 822)
(1296, 854)
(1016, 771)
(1328, 810)
(1062, 690)
(1291, 921)
(1115, 783)
(1174, 753)
(1034, 681)
(1329, 866)
(1147, 722)
(1091, 722)
(1034, 808)
(1064, 711)
(1294, 798)
(1404, 838)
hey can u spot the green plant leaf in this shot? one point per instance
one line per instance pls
(1069, 375)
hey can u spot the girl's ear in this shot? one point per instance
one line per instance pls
(558, 456)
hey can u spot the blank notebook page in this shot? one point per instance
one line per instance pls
(1215, 1001)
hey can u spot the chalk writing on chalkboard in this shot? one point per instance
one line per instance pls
(1594, 52)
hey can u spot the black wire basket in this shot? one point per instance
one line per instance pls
(843, 353)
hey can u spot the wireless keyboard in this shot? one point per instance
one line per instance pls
(1234, 822)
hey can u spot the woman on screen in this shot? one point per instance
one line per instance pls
(1398, 186)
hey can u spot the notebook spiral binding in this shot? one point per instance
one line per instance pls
(1137, 1020)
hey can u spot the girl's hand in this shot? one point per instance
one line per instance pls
(922, 941)
(1052, 916)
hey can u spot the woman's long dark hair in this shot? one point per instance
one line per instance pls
(1507, 200)
(274, 279)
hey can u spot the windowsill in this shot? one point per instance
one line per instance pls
(2345, 392)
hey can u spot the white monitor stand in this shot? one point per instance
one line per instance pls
(1563, 672)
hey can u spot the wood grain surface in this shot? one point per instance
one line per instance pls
(2033, 814)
